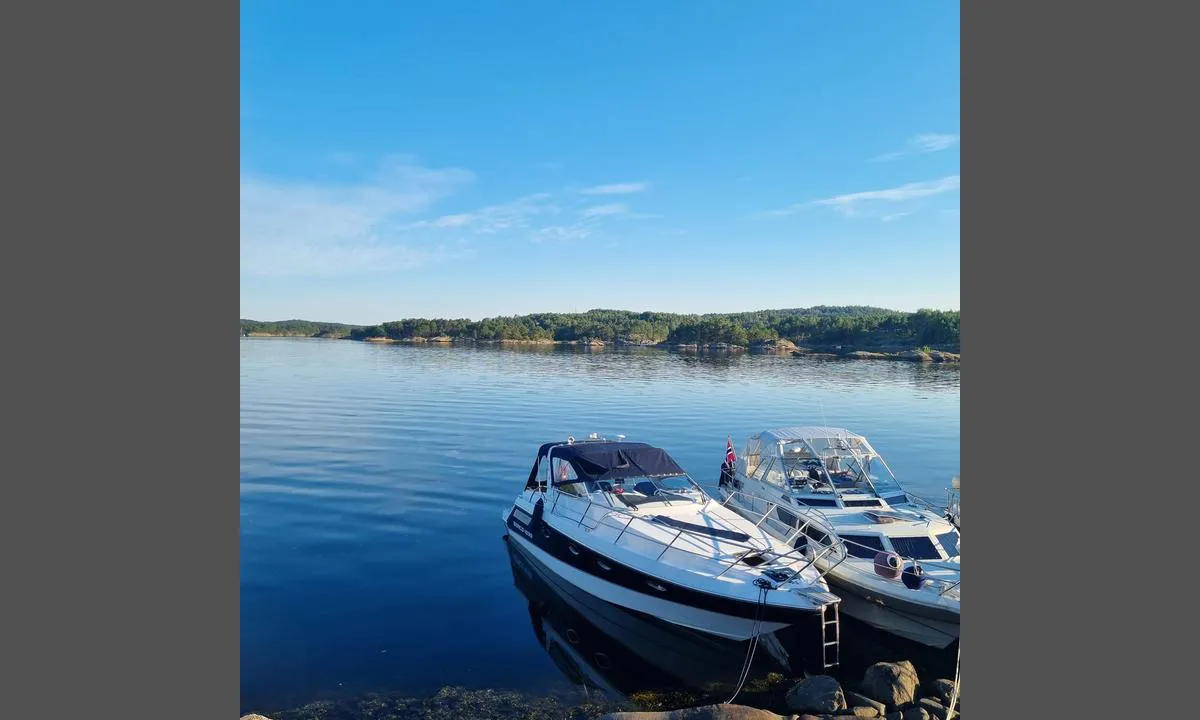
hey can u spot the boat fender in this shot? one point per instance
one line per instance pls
(887, 564)
(538, 508)
(726, 474)
(913, 577)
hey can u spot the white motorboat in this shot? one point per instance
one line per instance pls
(896, 563)
(625, 523)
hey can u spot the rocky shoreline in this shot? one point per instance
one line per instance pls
(891, 691)
(782, 347)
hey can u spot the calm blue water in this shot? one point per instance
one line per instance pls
(373, 478)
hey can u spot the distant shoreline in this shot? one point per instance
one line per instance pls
(851, 331)
(778, 347)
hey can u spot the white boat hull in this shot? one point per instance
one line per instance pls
(727, 626)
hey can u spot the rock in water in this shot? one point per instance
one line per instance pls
(866, 711)
(254, 716)
(892, 684)
(819, 693)
(944, 689)
(707, 712)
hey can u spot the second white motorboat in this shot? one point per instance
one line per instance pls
(897, 561)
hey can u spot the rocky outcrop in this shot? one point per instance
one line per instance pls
(820, 694)
(706, 712)
(893, 684)
(254, 717)
(778, 346)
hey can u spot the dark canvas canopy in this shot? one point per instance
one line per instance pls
(608, 460)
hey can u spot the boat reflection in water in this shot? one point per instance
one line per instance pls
(602, 647)
(621, 652)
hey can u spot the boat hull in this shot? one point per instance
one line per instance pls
(621, 585)
(929, 626)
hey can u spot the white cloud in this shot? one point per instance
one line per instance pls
(933, 142)
(599, 210)
(309, 228)
(562, 233)
(921, 144)
(851, 203)
(494, 218)
(616, 189)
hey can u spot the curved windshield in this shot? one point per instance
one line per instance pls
(637, 491)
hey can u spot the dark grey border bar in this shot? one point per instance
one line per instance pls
(120, 517)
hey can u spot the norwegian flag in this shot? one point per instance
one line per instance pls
(730, 457)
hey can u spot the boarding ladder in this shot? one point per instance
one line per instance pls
(830, 647)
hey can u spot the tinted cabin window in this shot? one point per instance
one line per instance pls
(897, 499)
(862, 503)
(817, 535)
(920, 548)
(863, 546)
(949, 542)
(817, 502)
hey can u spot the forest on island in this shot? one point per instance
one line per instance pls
(856, 326)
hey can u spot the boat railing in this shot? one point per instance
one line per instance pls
(826, 526)
(812, 517)
(773, 559)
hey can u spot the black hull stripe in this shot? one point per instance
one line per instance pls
(559, 546)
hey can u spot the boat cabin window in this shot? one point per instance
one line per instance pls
(763, 469)
(817, 502)
(949, 542)
(753, 456)
(896, 499)
(920, 547)
(863, 546)
(816, 535)
(564, 478)
(862, 503)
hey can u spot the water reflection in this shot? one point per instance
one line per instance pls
(600, 647)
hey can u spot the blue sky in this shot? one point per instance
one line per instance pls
(472, 159)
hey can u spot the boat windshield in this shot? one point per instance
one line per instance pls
(845, 464)
(637, 491)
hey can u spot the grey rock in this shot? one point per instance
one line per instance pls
(934, 708)
(915, 713)
(944, 689)
(255, 716)
(866, 711)
(819, 693)
(892, 684)
(854, 699)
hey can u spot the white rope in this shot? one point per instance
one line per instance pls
(954, 693)
(755, 631)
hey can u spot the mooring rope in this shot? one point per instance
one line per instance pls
(753, 647)
(954, 693)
